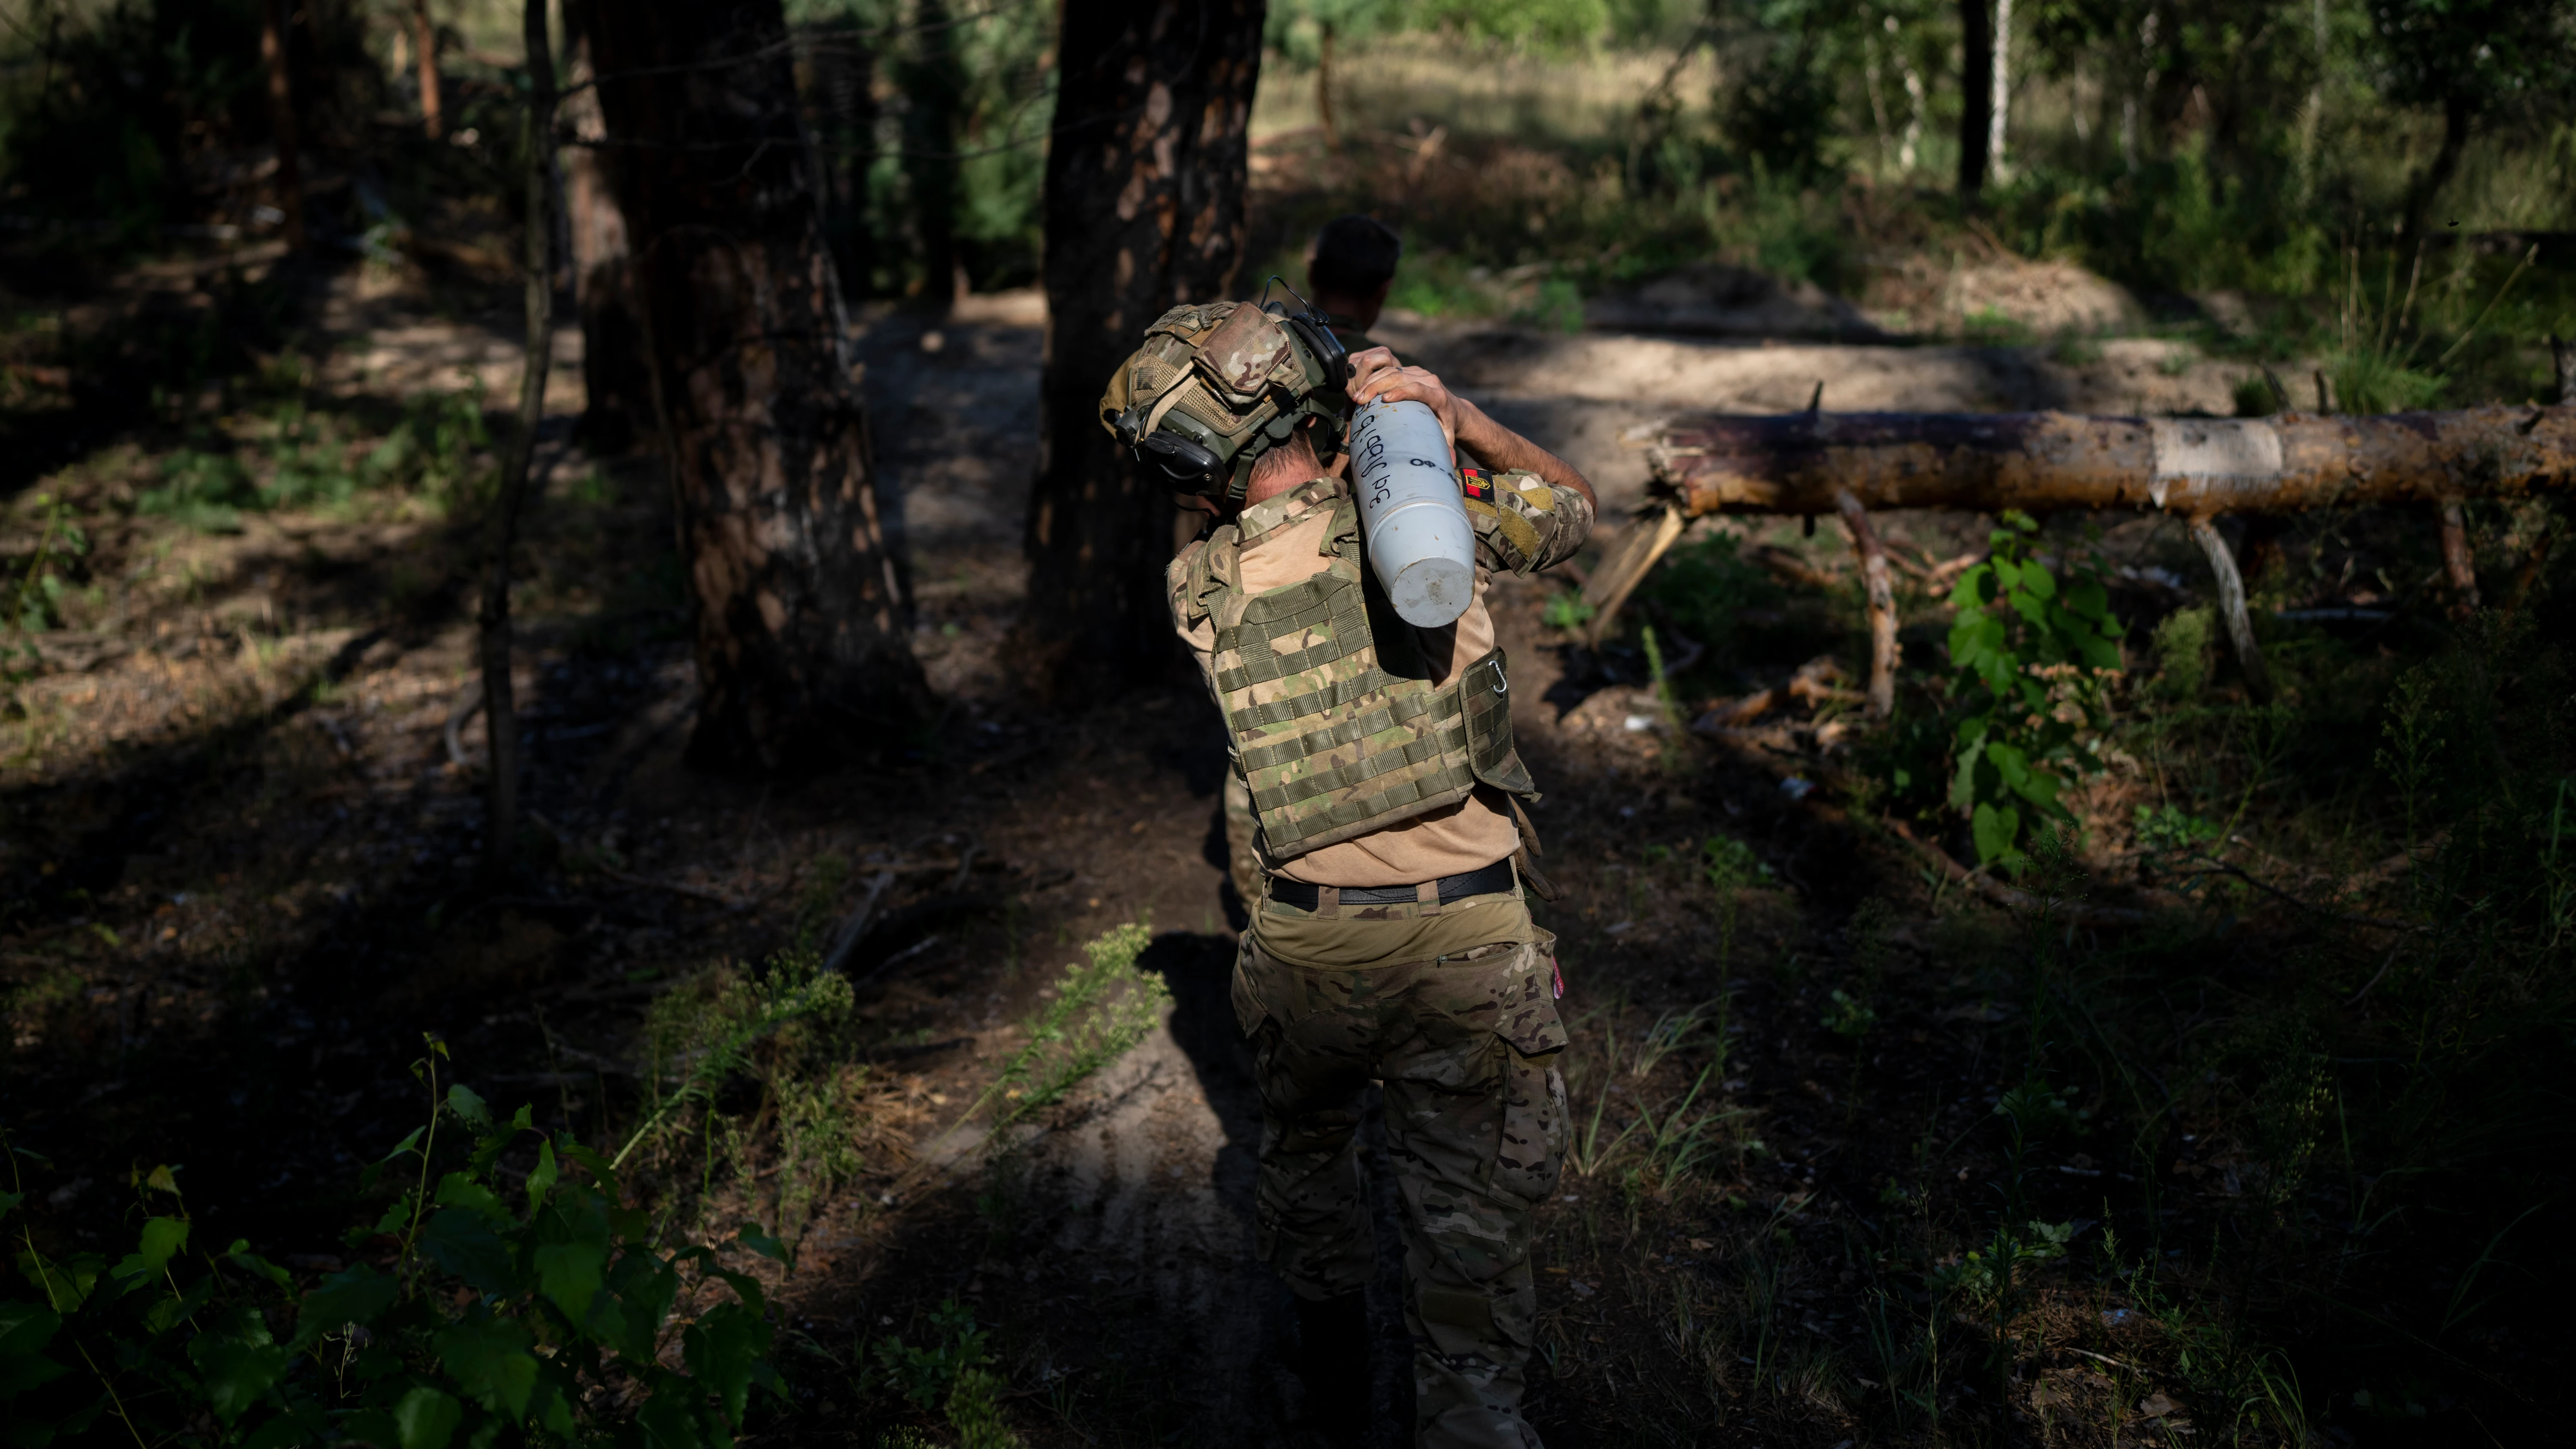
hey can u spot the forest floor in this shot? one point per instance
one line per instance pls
(238, 847)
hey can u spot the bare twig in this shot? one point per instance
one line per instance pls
(856, 926)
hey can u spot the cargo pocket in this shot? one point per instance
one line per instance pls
(1485, 694)
(1534, 1110)
(1534, 1126)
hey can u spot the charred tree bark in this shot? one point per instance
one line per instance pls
(500, 711)
(1144, 209)
(617, 383)
(801, 611)
(281, 121)
(1796, 463)
(1976, 92)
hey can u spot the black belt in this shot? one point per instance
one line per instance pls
(1493, 880)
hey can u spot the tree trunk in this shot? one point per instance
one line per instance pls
(617, 383)
(1144, 209)
(2457, 112)
(1324, 92)
(801, 612)
(1798, 463)
(1976, 93)
(841, 102)
(936, 89)
(1999, 102)
(500, 711)
(281, 121)
(425, 35)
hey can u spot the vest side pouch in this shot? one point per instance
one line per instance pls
(1485, 691)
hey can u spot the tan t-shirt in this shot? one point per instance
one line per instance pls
(1474, 832)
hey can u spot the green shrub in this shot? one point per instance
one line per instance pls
(2031, 659)
(497, 1310)
(2182, 653)
(203, 490)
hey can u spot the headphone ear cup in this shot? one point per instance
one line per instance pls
(1329, 352)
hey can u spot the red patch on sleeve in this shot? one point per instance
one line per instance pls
(1477, 484)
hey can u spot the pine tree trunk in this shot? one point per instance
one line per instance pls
(1976, 93)
(274, 17)
(617, 386)
(801, 630)
(425, 35)
(500, 709)
(937, 92)
(1144, 209)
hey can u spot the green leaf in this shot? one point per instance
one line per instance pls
(542, 1180)
(645, 1289)
(240, 1256)
(1995, 831)
(427, 1419)
(25, 1328)
(303, 1423)
(238, 1369)
(456, 1190)
(591, 1162)
(67, 1283)
(405, 1145)
(2039, 581)
(569, 1273)
(668, 1421)
(489, 1359)
(9, 1202)
(763, 1244)
(464, 1246)
(724, 1349)
(161, 1241)
(353, 1295)
(462, 1100)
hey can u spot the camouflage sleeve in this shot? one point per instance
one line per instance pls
(1523, 524)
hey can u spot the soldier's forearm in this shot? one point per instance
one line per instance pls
(1505, 451)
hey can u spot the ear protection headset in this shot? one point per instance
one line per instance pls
(1193, 456)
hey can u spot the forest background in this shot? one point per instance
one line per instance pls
(2294, 977)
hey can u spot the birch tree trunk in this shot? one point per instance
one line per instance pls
(2000, 102)
(1144, 209)
(802, 651)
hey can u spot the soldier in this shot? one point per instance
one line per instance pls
(1349, 269)
(1389, 937)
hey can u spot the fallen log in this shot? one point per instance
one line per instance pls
(1798, 463)
(1811, 463)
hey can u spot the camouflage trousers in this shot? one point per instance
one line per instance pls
(1453, 1010)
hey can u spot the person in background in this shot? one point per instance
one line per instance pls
(1351, 269)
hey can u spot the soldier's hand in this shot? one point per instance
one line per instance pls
(1376, 375)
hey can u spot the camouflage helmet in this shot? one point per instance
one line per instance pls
(1218, 384)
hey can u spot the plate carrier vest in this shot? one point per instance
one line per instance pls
(1330, 715)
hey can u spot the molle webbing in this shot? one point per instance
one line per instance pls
(1352, 747)
(1323, 599)
(1443, 707)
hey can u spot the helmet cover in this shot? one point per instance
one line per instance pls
(1218, 384)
